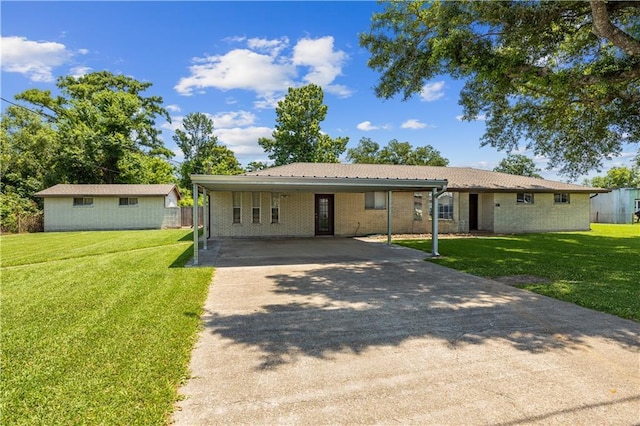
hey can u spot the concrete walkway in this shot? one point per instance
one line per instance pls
(340, 331)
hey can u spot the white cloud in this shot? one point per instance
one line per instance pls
(366, 126)
(83, 51)
(173, 108)
(243, 141)
(78, 72)
(238, 69)
(265, 69)
(226, 120)
(176, 123)
(432, 91)
(273, 47)
(34, 59)
(325, 63)
(413, 123)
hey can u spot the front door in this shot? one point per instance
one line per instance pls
(473, 212)
(324, 214)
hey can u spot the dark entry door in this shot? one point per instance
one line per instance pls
(324, 214)
(473, 212)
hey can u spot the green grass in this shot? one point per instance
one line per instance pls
(597, 269)
(96, 327)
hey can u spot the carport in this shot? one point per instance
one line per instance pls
(202, 184)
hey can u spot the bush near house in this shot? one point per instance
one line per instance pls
(96, 327)
(597, 269)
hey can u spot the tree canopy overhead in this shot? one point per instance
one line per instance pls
(102, 122)
(297, 136)
(564, 77)
(369, 152)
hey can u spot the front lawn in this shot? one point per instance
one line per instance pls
(96, 327)
(597, 269)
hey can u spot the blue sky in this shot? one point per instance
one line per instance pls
(234, 61)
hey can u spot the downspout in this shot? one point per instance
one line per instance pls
(434, 219)
(195, 224)
(205, 217)
(389, 217)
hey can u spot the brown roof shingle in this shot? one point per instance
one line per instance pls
(459, 178)
(97, 190)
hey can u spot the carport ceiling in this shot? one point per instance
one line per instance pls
(220, 183)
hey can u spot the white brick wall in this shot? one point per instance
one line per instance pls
(541, 216)
(61, 215)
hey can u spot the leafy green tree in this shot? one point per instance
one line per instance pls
(255, 166)
(617, 177)
(100, 119)
(564, 77)
(518, 164)
(297, 136)
(369, 152)
(202, 152)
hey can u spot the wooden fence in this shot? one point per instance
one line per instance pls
(186, 214)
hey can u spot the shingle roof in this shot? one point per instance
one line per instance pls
(459, 178)
(96, 190)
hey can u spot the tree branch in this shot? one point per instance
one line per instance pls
(602, 27)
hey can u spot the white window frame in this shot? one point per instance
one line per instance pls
(128, 202)
(236, 202)
(275, 207)
(445, 210)
(561, 198)
(255, 207)
(376, 200)
(525, 198)
(82, 201)
(418, 203)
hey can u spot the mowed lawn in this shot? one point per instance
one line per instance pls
(597, 269)
(96, 327)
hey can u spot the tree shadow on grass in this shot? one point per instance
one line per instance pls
(340, 308)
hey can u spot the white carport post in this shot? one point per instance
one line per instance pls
(389, 217)
(195, 224)
(205, 217)
(434, 222)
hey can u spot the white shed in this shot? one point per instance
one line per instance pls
(103, 207)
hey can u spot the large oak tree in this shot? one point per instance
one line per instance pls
(562, 78)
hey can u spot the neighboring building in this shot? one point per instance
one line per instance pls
(102, 207)
(307, 199)
(618, 206)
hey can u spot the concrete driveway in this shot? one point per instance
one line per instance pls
(341, 331)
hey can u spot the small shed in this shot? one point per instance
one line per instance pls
(83, 207)
(618, 206)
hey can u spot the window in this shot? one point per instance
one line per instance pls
(82, 201)
(237, 207)
(255, 210)
(128, 202)
(561, 198)
(445, 206)
(275, 207)
(417, 206)
(524, 198)
(375, 200)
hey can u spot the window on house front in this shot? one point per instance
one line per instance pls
(82, 201)
(128, 202)
(255, 210)
(561, 198)
(524, 198)
(275, 207)
(445, 206)
(375, 200)
(237, 207)
(417, 206)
